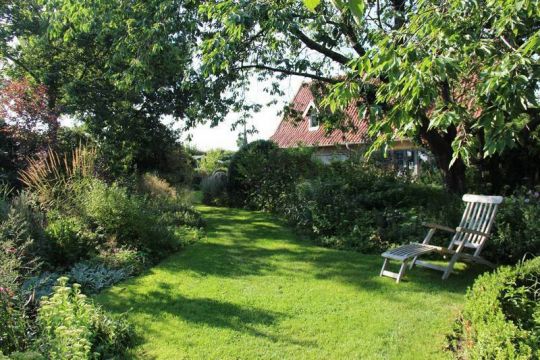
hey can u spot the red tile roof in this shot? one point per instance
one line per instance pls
(292, 133)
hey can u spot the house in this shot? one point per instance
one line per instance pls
(305, 130)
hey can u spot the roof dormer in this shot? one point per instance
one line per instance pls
(312, 115)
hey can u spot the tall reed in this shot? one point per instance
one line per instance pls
(53, 174)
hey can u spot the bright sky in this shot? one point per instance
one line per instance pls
(203, 137)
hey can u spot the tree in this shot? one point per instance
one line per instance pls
(27, 125)
(118, 66)
(462, 77)
(458, 77)
(216, 159)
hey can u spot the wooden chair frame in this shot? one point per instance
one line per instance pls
(472, 233)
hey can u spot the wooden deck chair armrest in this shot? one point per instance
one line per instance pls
(439, 227)
(470, 231)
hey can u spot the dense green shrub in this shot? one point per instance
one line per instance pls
(16, 262)
(15, 322)
(262, 176)
(501, 316)
(517, 229)
(97, 233)
(347, 204)
(127, 218)
(69, 239)
(357, 206)
(27, 355)
(89, 333)
(214, 189)
(175, 165)
(176, 211)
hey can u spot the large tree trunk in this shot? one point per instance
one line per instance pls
(440, 146)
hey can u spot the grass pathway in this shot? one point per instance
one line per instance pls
(252, 290)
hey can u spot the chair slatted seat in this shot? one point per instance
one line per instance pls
(472, 233)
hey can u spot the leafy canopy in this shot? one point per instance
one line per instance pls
(473, 66)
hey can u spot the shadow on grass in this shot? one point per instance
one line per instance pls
(254, 243)
(165, 302)
(242, 243)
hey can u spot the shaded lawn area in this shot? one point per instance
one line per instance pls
(253, 290)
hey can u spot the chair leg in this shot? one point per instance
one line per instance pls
(401, 271)
(383, 266)
(450, 266)
(413, 262)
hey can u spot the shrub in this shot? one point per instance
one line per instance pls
(176, 166)
(73, 328)
(352, 205)
(40, 285)
(214, 189)
(517, 230)
(15, 323)
(214, 160)
(69, 239)
(173, 213)
(128, 218)
(347, 204)
(128, 260)
(501, 316)
(23, 223)
(262, 176)
(27, 355)
(155, 186)
(94, 277)
(16, 262)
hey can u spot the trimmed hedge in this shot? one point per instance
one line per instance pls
(501, 317)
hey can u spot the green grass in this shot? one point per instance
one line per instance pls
(253, 290)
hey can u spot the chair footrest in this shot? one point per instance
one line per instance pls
(390, 274)
(408, 251)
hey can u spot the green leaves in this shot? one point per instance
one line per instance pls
(357, 8)
(312, 4)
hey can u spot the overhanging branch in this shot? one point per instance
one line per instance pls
(340, 58)
(287, 72)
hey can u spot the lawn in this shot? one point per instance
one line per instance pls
(254, 290)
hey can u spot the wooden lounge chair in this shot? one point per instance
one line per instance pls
(472, 233)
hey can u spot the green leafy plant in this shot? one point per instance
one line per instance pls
(214, 160)
(262, 176)
(517, 231)
(501, 317)
(130, 261)
(94, 277)
(69, 239)
(73, 328)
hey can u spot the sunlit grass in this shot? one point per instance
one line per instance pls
(252, 290)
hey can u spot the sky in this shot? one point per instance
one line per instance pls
(266, 121)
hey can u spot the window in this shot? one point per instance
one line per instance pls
(311, 114)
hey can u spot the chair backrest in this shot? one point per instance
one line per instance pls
(479, 215)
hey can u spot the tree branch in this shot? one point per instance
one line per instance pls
(22, 66)
(342, 59)
(350, 34)
(287, 72)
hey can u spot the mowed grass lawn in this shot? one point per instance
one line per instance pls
(253, 290)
